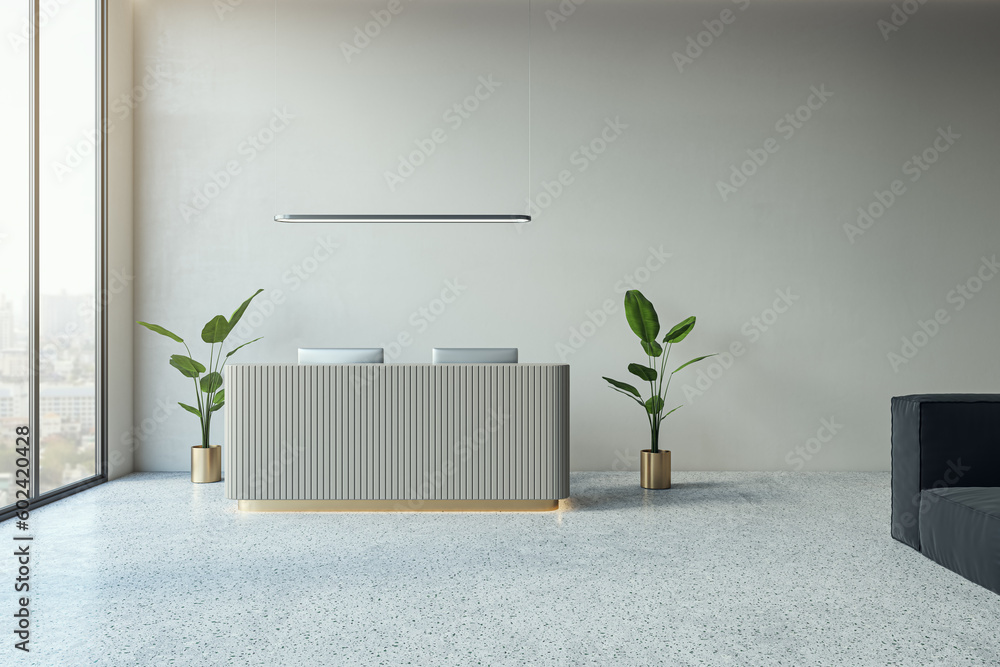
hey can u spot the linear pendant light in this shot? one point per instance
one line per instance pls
(287, 217)
(377, 218)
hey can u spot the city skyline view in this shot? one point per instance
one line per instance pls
(67, 243)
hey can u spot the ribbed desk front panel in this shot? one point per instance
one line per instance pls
(397, 431)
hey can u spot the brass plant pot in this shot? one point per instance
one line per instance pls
(206, 464)
(655, 469)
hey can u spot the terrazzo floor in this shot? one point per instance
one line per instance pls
(724, 569)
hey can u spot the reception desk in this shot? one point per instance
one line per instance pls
(404, 437)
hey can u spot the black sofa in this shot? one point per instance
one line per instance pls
(946, 481)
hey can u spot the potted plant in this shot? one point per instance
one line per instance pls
(642, 318)
(206, 459)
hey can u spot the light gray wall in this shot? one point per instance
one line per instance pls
(824, 359)
(117, 298)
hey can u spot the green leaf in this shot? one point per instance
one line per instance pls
(160, 330)
(693, 361)
(652, 348)
(233, 351)
(654, 405)
(216, 406)
(680, 332)
(643, 372)
(192, 410)
(626, 395)
(673, 411)
(211, 382)
(238, 313)
(219, 328)
(219, 397)
(216, 330)
(186, 365)
(641, 316)
(627, 387)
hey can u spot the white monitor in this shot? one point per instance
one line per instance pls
(474, 355)
(341, 355)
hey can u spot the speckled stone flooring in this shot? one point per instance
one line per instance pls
(724, 569)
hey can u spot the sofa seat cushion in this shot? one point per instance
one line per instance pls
(960, 529)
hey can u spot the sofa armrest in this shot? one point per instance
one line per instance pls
(940, 440)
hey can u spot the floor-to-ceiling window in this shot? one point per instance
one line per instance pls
(51, 236)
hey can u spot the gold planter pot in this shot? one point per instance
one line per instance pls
(206, 464)
(655, 469)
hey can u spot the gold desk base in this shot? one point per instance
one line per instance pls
(398, 505)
